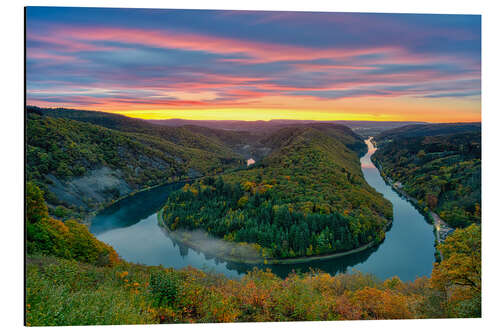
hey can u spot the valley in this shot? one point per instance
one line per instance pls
(181, 197)
(407, 250)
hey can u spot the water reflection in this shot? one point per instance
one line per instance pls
(145, 243)
(131, 227)
(341, 265)
(132, 209)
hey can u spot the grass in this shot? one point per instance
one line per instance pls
(66, 292)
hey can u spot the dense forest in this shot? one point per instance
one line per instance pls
(74, 279)
(80, 164)
(439, 165)
(307, 197)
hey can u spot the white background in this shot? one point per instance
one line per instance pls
(12, 164)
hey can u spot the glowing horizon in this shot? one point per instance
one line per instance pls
(248, 65)
(267, 115)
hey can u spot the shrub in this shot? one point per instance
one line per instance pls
(165, 287)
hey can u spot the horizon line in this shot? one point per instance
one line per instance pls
(129, 114)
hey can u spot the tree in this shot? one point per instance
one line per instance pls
(459, 273)
(432, 201)
(36, 209)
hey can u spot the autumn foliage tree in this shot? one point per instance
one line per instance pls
(459, 273)
(69, 239)
(36, 209)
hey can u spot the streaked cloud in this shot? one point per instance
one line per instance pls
(330, 65)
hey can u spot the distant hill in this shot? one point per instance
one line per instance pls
(343, 133)
(123, 123)
(419, 130)
(363, 128)
(258, 125)
(439, 165)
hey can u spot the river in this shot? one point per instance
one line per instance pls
(131, 227)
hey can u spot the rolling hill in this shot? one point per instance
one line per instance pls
(419, 130)
(364, 128)
(81, 166)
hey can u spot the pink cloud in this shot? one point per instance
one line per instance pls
(313, 67)
(74, 39)
(348, 74)
(37, 54)
(63, 42)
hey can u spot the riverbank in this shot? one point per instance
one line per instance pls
(86, 220)
(244, 253)
(88, 217)
(92, 214)
(441, 229)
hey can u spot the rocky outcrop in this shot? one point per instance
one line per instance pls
(92, 190)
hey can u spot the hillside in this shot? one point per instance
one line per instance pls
(307, 197)
(245, 143)
(81, 166)
(342, 133)
(439, 165)
(74, 279)
(181, 136)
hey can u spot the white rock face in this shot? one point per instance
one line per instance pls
(96, 187)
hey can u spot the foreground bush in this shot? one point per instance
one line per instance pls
(65, 292)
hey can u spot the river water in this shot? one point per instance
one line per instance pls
(131, 227)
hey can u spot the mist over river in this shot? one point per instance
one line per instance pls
(131, 227)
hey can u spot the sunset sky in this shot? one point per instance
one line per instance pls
(255, 65)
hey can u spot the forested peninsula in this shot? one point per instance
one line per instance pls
(308, 197)
(305, 196)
